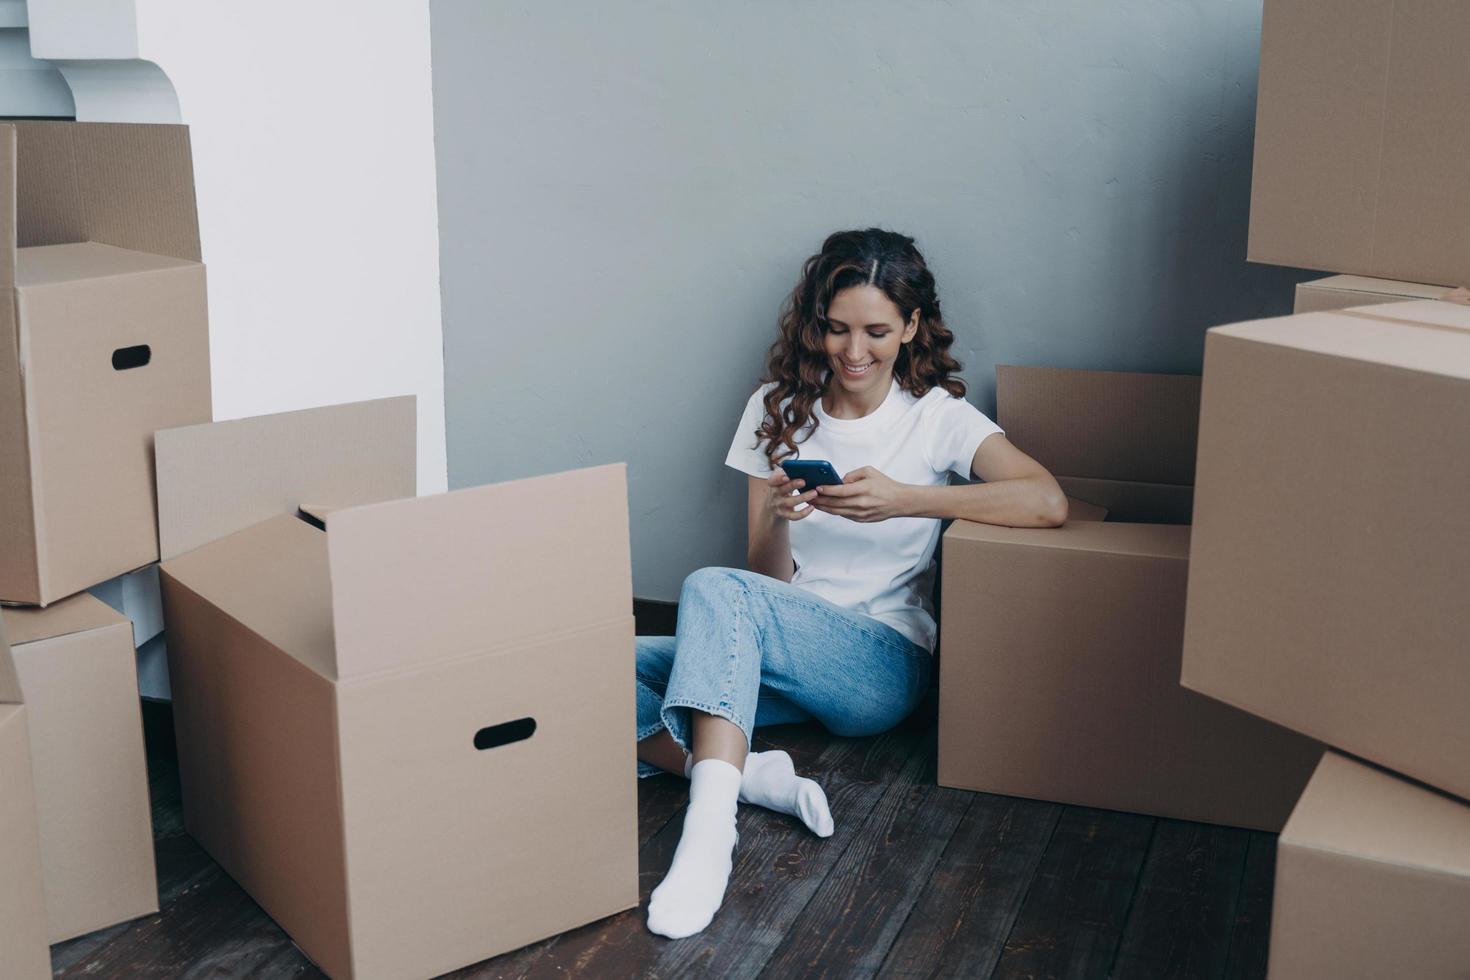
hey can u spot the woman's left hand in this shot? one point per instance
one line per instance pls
(866, 495)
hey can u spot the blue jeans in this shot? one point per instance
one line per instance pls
(758, 651)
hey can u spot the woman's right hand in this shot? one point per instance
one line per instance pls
(783, 497)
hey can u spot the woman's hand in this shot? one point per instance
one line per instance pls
(783, 494)
(866, 495)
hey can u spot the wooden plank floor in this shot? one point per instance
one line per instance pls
(917, 881)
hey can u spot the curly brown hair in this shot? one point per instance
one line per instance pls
(797, 362)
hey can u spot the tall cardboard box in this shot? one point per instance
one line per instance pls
(1059, 673)
(1331, 551)
(103, 339)
(370, 698)
(1344, 292)
(1359, 154)
(1372, 880)
(75, 664)
(23, 947)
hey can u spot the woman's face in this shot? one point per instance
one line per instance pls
(865, 332)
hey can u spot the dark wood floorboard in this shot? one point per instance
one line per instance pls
(1250, 932)
(918, 881)
(1072, 917)
(959, 925)
(1184, 909)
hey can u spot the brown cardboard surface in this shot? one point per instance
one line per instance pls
(23, 944)
(75, 663)
(337, 456)
(76, 495)
(1356, 169)
(1342, 292)
(1082, 510)
(402, 849)
(1139, 503)
(1059, 681)
(1372, 879)
(23, 947)
(552, 563)
(1331, 541)
(1103, 424)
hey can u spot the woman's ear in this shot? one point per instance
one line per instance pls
(911, 329)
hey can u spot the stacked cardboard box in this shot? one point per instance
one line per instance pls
(1059, 677)
(1344, 292)
(1331, 556)
(103, 339)
(308, 597)
(23, 953)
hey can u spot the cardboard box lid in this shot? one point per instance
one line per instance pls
(46, 265)
(77, 614)
(221, 477)
(125, 184)
(1167, 541)
(10, 692)
(1374, 334)
(1110, 425)
(1383, 287)
(434, 578)
(1358, 810)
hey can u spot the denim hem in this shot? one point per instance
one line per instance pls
(721, 711)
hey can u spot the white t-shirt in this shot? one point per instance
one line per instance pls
(883, 569)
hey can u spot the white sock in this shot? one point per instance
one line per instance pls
(770, 780)
(690, 894)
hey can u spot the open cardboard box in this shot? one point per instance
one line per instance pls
(1059, 674)
(104, 338)
(75, 662)
(1328, 585)
(23, 947)
(377, 704)
(1372, 879)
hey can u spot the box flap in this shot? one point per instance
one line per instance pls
(124, 184)
(78, 614)
(1375, 334)
(9, 683)
(1082, 510)
(1106, 424)
(217, 478)
(1392, 288)
(272, 578)
(1140, 503)
(1136, 540)
(7, 208)
(1358, 810)
(45, 265)
(436, 578)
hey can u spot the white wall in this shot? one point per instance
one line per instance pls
(312, 127)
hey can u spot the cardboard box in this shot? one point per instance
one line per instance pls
(1331, 541)
(1343, 292)
(1372, 880)
(103, 339)
(75, 663)
(1359, 160)
(1059, 677)
(23, 946)
(493, 626)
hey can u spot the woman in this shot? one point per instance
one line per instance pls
(832, 622)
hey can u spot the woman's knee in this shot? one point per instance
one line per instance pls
(713, 581)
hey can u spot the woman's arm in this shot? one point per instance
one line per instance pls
(771, 510)
(1018, 492)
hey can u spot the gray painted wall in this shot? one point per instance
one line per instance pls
(627, 192)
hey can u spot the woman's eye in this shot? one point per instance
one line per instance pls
(878, 334)
(836, 330)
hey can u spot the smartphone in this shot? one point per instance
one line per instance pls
(816, 473)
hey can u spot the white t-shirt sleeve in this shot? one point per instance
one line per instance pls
(955, 431)
(743, 455)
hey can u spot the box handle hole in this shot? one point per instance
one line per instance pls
(504, 734)
(127, 358)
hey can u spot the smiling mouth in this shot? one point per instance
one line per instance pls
(857, 371)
